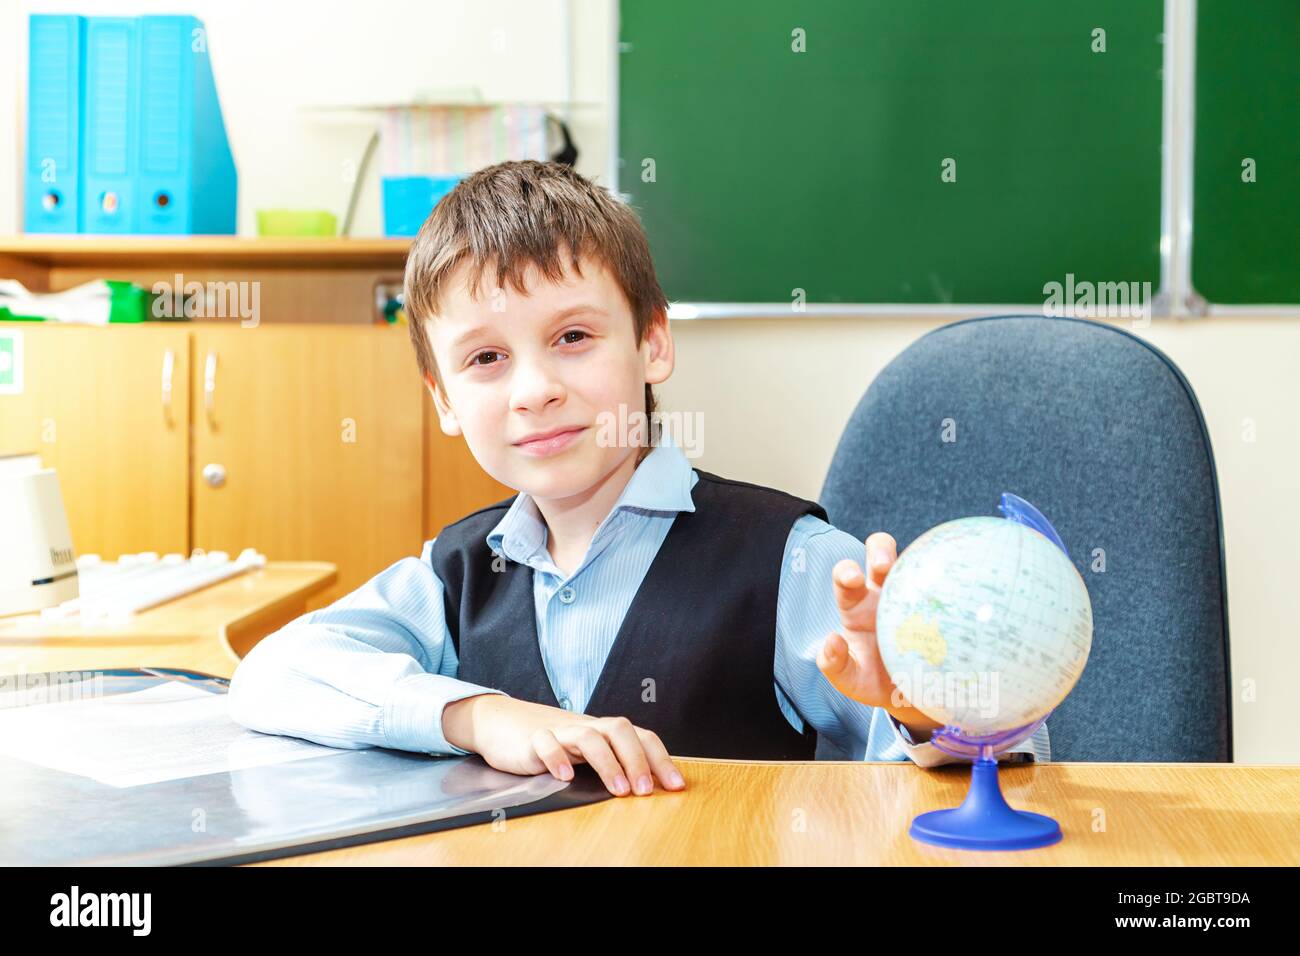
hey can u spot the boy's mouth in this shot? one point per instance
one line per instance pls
(548, 442)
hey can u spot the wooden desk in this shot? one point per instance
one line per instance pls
(208, 630)
(735, 812)
(832, 812)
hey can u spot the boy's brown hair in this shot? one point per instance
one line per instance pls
(514, 215)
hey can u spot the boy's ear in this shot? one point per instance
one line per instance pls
(446, 417)
(659, 352)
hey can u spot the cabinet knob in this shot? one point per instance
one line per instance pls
(214, 475)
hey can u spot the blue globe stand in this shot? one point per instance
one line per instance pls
(984, 821)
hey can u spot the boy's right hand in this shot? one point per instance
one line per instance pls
(518, 736)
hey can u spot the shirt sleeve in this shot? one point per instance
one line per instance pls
(806, 614)
(374, 669)
(1036, 748)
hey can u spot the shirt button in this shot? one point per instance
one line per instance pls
(566, 704)
(567, 595)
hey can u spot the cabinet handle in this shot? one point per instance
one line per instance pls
(168, 366)
(210, 384)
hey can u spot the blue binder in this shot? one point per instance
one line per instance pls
(51, 185)
(108, 150)
(187, 182)
(125, 129)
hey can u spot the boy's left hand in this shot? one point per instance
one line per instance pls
(850, 659)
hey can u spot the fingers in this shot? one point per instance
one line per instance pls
(856, 600)
(833, 659)
(850, 585)
(857, 594)
(627, 747)
(882, 552)
(552, 754)
(660, 761)
(622, 754)
(585, 741)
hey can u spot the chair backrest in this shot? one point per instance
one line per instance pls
(1104, 435)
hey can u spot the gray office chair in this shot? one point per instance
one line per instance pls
(1103, 433)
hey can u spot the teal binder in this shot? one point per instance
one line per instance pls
(108, 153)
(51, 177)
(187, 182)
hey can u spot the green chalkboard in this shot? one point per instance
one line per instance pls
(1246, 199)
(823, 170)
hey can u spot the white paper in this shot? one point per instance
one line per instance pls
(89, 303)
(168, 732)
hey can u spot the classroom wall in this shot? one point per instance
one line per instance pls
(797, 380)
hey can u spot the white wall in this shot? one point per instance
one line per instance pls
(775, 393)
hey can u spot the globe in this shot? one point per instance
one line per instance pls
(984, 625)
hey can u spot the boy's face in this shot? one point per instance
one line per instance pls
(562, 355)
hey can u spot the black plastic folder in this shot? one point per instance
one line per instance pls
(143, 766)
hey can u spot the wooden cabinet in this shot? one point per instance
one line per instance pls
(306, 442)
(308, 445)
(109, 410)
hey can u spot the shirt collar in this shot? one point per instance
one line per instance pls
(662, 483)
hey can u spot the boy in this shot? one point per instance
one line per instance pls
(622, 606)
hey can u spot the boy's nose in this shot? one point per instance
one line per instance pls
(535, 385)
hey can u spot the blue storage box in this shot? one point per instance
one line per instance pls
(408, 200)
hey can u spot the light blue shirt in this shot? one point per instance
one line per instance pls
(377, 667)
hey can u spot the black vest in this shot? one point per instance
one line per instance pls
(702, 626)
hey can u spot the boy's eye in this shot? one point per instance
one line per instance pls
(564, 338)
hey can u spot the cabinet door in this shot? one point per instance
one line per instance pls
(108, 409)
(308, 446)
